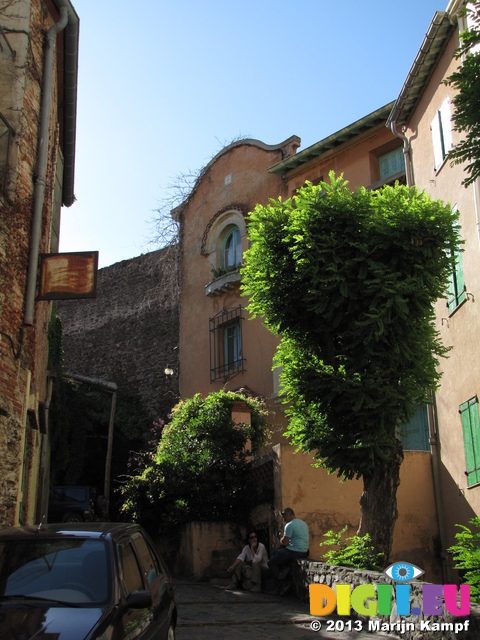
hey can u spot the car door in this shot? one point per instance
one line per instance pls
(157, 582)
(137, 623)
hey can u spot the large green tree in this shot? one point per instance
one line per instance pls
(466, 80)
(349, 281)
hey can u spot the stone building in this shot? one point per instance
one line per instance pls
(38, 95)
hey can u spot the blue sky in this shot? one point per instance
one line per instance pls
(165, 84)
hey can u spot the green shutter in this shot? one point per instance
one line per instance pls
(456, 288)
(415, 435)
(460, 282)
(471, 439)
(391, 163)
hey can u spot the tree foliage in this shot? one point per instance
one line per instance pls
(466, 80)
(466, 555)
(199, 469)
(355, 551)
(349, 281)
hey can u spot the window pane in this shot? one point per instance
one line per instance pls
(54, 568)
(149, 564)
(232, 252)
(226, 357)
(130, 570)
(437, 140)
(238, 247)
(232, 345)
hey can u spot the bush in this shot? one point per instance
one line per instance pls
(359, 553)
(200, 468)
(466, 556)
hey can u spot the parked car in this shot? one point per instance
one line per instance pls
(75, 504)
(84, 581)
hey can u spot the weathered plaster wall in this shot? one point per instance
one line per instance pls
(200, 545)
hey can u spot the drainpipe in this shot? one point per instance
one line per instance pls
(406, 153)
(432, 410)
(436, 470)
(39, 192)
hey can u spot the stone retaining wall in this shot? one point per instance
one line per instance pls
(305, 572)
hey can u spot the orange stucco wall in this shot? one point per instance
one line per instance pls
(357, 160)
(324, 502)
(250, 183)
(316, 496)
(461, 371)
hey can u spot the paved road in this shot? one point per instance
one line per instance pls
(209, 611)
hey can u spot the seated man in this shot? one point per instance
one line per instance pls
(293, 544)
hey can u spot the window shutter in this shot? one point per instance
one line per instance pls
(436, 128)
(451, 297)
(456, 287)
(446, 123)
(471, 439)
(391, 163)
(459, 279)
(415, 435)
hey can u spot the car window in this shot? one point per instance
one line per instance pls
(69, 570)
(70, 494)
(150, 566)
(130, 573)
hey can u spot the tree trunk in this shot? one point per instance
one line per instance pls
(379, 502)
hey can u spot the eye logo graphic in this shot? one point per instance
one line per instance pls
(403, 572)
(372, 600)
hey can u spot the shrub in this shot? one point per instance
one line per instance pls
(466, 555)
(355, 551)
(200, 468)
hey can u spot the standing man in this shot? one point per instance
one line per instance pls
(293, 544)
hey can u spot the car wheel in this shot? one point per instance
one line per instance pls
(72, 517)
(171, 632)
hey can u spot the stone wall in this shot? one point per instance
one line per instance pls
(23, 349)
(128, 334)
(305, 572)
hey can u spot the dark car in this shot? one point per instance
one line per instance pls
(75, 504)
(85, 581)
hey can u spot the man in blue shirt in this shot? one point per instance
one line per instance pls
(293, 544)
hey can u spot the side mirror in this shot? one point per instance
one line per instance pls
(139, 600)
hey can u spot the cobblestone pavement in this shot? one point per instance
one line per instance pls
(209, 611)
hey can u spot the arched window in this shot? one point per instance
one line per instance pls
(232, 249)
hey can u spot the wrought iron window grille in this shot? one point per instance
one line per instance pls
(226, 344)
(6, 135)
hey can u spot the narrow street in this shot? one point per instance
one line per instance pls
(209, 611)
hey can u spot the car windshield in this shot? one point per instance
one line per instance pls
(62, 570)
